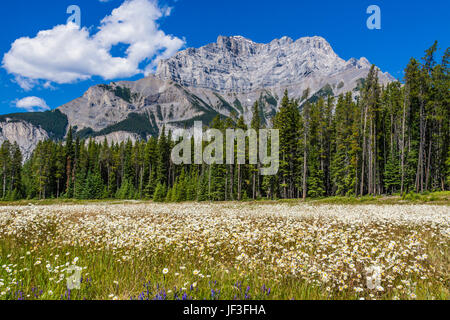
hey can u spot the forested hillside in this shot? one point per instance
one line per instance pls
(392, 139)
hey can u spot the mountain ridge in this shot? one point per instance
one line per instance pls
(223, 78)
(237, 64)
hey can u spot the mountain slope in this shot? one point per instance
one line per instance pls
(222, 78)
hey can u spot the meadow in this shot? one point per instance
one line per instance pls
(196, 251)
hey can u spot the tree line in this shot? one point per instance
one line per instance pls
(391, 139)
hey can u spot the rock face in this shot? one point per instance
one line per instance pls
(236, 64)
(117, 137)
(25, 134)
(223, 78)
(142, 107)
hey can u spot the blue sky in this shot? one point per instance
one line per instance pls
(408, 28)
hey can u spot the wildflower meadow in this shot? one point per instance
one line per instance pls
(197, 251)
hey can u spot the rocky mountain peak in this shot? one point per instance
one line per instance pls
(237, 64)
(236, 45)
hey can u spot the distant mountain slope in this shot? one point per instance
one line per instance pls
(221, 78)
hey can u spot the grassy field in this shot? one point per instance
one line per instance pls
(436, 198)
(323, 249)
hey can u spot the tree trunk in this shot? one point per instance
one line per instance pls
(427, 177)
(239, 183)
(258, 181)
(402, 187)
(370, 159)
(226, 184)
(231, 182)
(305, 155)
(209, 183)
(4, 180)
(419, 173)
(363, 153)
(305, 167)
(141, 182)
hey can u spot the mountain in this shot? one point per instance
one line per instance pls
(221, 78)
(236, 64)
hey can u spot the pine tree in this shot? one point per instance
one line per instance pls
(305, 126)
(241, 169)
(343, 162)
(150, 160)
(315, 146)
(287, 122)
(160, 193)
(181, 188)
(170, 194)
(370, 103)
(254, 169)
(217, 173)
(5, 167)
(163, 161)
(93, 187)
(392, 175)
(59, 165)
(70, 162)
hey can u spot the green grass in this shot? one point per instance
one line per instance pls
(109, 276)
(46, 202)
(434, 198)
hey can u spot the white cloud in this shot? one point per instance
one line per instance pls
(31, 104)
(66, 54)
(25, 83)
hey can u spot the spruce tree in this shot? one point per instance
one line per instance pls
(160, 193)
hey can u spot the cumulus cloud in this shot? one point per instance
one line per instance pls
(66, 53)
(32, 104)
